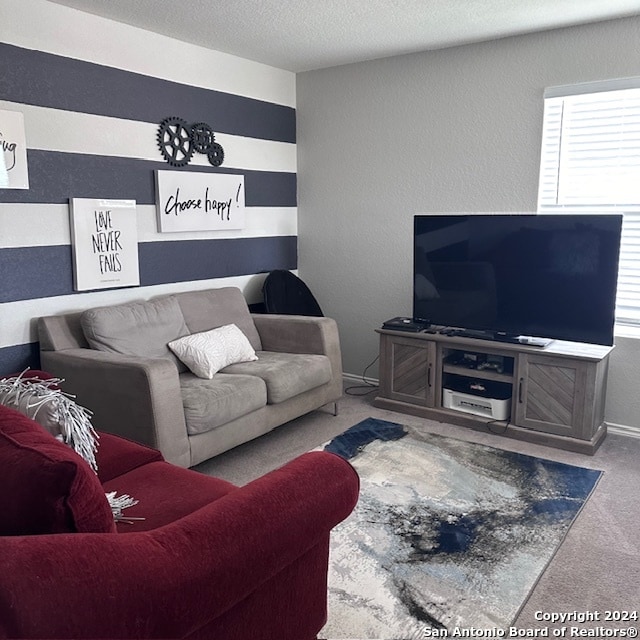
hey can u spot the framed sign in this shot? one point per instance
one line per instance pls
(104, 238)
(190, 201)
(13, 151)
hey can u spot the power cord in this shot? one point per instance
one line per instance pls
(505, 424)
(366, 385)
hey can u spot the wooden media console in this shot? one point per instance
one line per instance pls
(551, 395)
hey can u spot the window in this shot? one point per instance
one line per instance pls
(590, 163)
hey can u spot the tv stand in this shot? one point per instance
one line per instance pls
(552, 395)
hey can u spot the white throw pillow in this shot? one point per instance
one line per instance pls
(207, 352)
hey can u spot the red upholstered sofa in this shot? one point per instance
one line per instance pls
(210, 560)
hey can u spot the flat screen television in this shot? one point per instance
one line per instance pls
(502, 276)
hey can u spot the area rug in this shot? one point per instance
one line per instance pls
(447, 535)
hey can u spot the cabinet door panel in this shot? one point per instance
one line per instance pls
(408, 370)
(551, 394)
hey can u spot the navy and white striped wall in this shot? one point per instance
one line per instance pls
(91, 121)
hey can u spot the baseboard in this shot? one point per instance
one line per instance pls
(623, 430)
(352, 377)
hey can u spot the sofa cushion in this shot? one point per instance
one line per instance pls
(207, 352)
(211, 308)
(136, 329)
(211, 403)
(165, 493)
(285, 374)
(46, 486)
(117, 455)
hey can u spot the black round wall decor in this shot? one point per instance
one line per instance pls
(174, 140)
(216, 155)
(178, 141)
(202, 137)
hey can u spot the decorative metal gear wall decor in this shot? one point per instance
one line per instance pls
(174, 140)
(202, 137)
(216, 155)
(178, 141)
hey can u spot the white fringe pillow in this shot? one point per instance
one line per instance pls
(207, 352)
(54, 410)
(67, 421)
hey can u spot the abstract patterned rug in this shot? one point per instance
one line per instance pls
(447, 534)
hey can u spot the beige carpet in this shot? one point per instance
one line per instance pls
(596, 569)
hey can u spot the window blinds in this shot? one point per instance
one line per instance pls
(590, 163)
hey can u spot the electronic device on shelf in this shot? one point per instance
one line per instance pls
(480, 397)
(492, 366)
(478, 361)
(521, 278)
(404, 324)
(493, 408)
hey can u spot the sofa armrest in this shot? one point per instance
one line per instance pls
(138, 398)
(301, 334)
(117, 455)
(181, 578)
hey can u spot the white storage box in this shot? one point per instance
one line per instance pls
(488, 407)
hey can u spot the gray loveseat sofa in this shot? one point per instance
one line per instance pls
(116, 361)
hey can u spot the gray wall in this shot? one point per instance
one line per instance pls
(445, 131)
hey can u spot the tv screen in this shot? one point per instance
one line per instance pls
(549, 276)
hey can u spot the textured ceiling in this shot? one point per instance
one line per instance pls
(300, 35)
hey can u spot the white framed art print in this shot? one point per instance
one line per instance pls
(104, 239)
(193, 201)
(13, 151)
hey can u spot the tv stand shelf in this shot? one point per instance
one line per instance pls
(553, 395)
